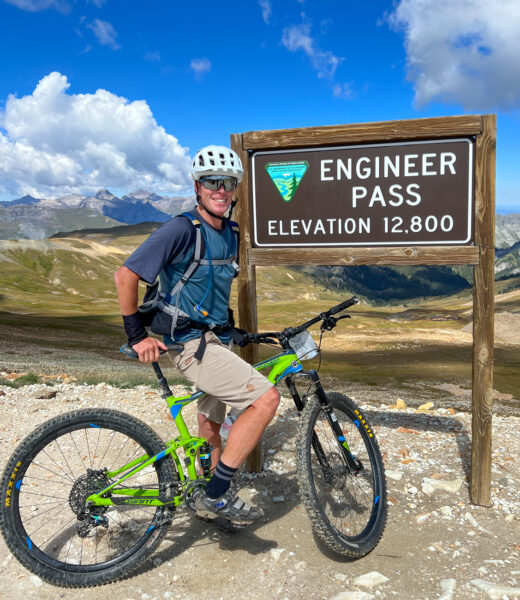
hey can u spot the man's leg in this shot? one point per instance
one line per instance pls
(226, 378)
(248, 428)
(211, 431)
(243, 437)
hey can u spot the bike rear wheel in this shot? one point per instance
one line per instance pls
(47, 480)
(347, 509)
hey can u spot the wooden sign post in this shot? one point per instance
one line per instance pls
(418, 192)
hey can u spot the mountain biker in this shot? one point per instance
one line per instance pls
(203, 302)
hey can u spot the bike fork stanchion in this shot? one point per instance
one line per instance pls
(294, 393)
(333, 421)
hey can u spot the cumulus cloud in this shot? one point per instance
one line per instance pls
(38, 5)
(200, 66)
(53, 143)
(462, 51)
(298, 37)
(105, 33)
(267, 10)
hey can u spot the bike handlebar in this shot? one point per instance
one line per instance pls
(339, 307)
(292, 331)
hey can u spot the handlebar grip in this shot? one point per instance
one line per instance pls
(128, 350)
(336, 309)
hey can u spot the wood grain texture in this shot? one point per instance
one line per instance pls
(246, 280)
(363, 133)
(416, 255)
(483, 313)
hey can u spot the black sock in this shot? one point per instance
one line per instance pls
(220, 481)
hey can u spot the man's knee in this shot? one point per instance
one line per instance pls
(269, 401)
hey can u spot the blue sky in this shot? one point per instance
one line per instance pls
(120, 94)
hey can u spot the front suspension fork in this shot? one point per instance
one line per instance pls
(353, 462)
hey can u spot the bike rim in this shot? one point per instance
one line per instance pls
(47, 494)
(348, 501)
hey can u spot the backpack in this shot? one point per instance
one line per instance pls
(163, 318)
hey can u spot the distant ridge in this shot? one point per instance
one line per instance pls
(145, 228)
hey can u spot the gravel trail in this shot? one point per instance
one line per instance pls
(436, 544)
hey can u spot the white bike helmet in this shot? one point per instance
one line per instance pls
(217, 160)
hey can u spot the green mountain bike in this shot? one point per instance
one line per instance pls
(88, 496)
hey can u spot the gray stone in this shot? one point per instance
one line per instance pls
(370, 580)
(448, 589)
(429, 486)
(353, 596)
(495, 591)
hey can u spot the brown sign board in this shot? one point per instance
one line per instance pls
(402, 193)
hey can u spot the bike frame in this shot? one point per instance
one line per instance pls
(283, 365)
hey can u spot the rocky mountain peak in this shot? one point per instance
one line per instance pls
(105, 195)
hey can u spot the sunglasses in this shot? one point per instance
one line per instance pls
(214, 183)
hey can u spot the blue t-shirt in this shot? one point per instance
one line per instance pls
(169, 251)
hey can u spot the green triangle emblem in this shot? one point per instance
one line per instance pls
(286, 176)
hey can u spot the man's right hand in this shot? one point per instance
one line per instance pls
(148, 349)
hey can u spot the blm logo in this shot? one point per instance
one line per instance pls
(287, 176)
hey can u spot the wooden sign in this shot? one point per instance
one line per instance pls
(417, 192)
(406, 193)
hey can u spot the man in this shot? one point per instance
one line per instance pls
(199, 305)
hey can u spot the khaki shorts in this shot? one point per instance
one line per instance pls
(224, 376)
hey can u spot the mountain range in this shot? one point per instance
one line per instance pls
(38, 218)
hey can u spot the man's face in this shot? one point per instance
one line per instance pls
(217, 201)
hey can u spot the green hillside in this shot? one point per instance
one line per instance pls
(57, 298)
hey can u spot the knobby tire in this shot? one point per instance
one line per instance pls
(347, 510)
(44, 486)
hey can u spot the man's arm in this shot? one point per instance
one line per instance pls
(127, 284)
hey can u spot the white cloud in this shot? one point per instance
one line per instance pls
(463, 51)
(38, 5)
(105, 33)
(267, 10)
(56, 143)
(200, 66)
(298, 37)
(343, 90)
(153, 56)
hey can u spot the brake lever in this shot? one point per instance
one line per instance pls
(328, 323)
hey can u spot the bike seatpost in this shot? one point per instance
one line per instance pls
(165, 389)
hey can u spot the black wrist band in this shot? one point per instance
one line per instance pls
(134, 328)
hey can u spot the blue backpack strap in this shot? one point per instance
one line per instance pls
(165, 304)
(236, 230)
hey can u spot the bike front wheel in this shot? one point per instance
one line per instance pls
(53, 472)
(347, 507)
